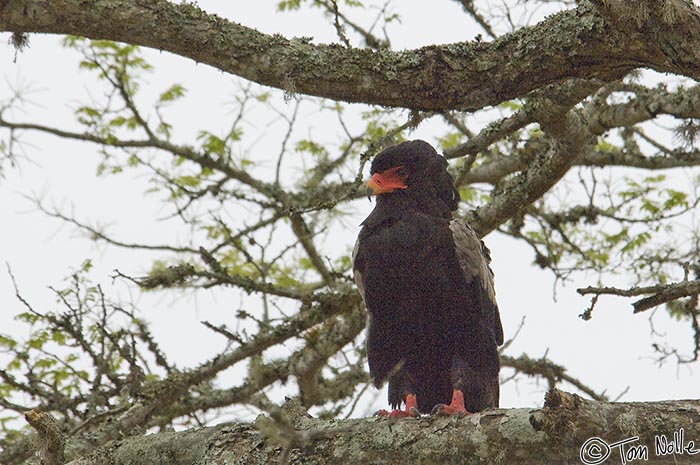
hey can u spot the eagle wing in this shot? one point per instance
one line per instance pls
(474, 258)
(357, 275)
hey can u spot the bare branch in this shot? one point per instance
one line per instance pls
(96, 233)
(661, 293)
(370, 39)
(185, 152)
(468, 6)
(549, 370)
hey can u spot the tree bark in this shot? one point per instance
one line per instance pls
(554, 434)
(586, 42)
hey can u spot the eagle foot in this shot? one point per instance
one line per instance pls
(456, 407)
(411, 409)
(412, 412)
(449, 411)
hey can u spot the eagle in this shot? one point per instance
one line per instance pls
(434, 326)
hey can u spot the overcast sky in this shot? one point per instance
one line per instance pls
(611, 352)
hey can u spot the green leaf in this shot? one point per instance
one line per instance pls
(6, 341)
(511, 105)
(605, 146)
(58, 337)
(614, 239)
(28, 317)
(263, 97)
(190, 181)
(175, 92)
(39, 340)
(309, 146)
(675, 199)
(212, 143)
(451, 140)
(118, 121)
(288, 5)
(637, 242)
(650, 206)
(44, 363)
(467, 194)
(86, 265)
(305, 263)
(165, 129)
(88, 111)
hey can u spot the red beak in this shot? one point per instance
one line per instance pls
(386, 181)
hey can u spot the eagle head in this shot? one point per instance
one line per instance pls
(413, 171)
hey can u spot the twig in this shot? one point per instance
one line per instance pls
(468, 6)
(549, 370)
(661, 293)
(338, 26)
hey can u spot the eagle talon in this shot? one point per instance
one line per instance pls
(411, 409)
(456, 407)
(449, 411)
(408, 413)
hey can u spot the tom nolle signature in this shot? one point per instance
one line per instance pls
(596, 450)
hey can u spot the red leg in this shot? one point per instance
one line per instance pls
(410, 411)
(456, 406)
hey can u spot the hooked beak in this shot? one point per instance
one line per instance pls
(385, 182)
(372, 188)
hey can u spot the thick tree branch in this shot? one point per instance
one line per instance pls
(50, 438)
(553, 434)
(646, 104)
(575, 43)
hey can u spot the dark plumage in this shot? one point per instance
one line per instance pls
(434, 325)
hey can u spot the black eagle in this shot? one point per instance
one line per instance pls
(434, 325)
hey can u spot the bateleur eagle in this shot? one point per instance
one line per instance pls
(424, 275)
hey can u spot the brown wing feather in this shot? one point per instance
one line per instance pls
(356, 272)
(474, 259)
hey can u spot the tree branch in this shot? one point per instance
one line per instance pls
(549, 370)
(50, 438)
(661, 294)
(470, 9)
(568, 136)
(575, 43)
(186, 152)
(553, 434)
